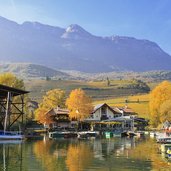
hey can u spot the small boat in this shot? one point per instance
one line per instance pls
(131, 133)
(62, 134)
(88, 134)
(5, 134)
(33, 135)
(163, 138)
(140, 134)
(11, 135)
(124, 134)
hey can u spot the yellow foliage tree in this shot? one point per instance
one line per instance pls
(165, 111)
(159, 96)
(79, 105)
(11, 80)
(52, 99)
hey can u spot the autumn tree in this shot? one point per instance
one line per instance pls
(158, 103)
(165, 111)
(11, 80)
(52, 99)
(79, 105)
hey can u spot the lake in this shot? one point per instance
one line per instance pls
(115, 154)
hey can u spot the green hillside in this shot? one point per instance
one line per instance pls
(96, 89)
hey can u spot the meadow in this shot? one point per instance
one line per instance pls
(98, 90)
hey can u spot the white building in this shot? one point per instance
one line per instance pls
(104, 116)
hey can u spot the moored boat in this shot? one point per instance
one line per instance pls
(124, 134)
(88, 134)
(163, 138)
(11, 135)
(62, 134)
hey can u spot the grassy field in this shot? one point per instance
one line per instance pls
(139, 103)
(98, 90)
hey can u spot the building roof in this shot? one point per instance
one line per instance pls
(128, 110)
(101, 105)
(58, 111)
(98, 106)
(61, 111)
(117, 110)
(125, 109)
(15, 92)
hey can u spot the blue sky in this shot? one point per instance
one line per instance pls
(144, 19)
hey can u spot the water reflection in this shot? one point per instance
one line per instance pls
(11, 155)
(78, 155)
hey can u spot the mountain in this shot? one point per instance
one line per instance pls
(27, 71)
(74, 48)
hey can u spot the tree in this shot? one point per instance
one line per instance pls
(139, 84)
(108, 81)
(79, 105)
(165, 111)
(52, 99)
(158, 97)
(11, 80)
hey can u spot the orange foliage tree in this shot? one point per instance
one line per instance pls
(52, 99)
(158, 97)
(79, 105)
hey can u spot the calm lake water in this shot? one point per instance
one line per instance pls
(116, 154)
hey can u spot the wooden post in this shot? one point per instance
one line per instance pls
(7, 113)
(22, 101)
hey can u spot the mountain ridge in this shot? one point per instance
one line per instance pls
(74, 48)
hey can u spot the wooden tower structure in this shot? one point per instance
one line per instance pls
(11, 106)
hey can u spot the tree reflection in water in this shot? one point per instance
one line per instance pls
(149, 151)
(51, 154)
(79, 156)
